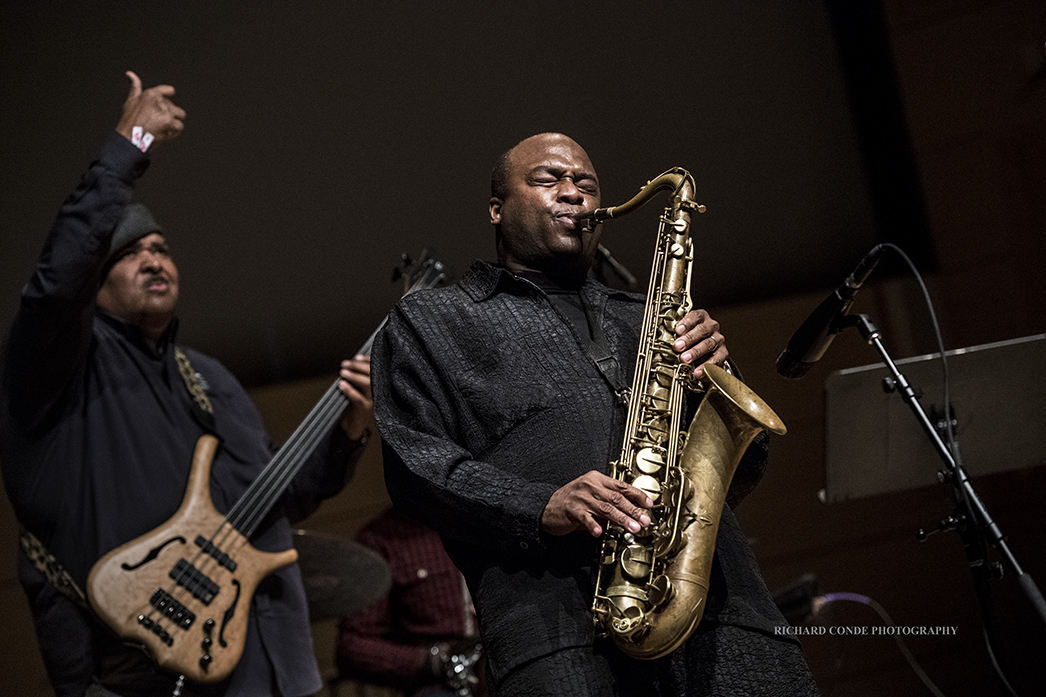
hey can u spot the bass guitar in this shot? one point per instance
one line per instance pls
(182, 591)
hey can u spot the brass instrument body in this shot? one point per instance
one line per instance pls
(651, 585)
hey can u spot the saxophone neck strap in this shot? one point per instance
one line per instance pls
(583, 312)
(598, 349)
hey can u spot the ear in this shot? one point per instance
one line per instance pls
(495, 210)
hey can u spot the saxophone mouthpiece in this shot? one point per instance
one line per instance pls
(588, 220)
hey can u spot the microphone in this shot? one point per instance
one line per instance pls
(813, 337)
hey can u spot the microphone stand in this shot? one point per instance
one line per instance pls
(971, 519)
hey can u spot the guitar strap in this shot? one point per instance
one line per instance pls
(201, 407)
(42, 559)
(52, 570)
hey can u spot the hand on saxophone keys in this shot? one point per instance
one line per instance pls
(700, 342)
(592, 499)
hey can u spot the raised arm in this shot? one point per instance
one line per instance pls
(51, 333)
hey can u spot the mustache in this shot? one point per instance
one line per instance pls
(153, 276)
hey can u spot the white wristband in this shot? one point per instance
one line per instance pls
(141, 140)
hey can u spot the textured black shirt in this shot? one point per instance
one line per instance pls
(488, 400)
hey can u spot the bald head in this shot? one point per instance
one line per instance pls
(499, 175)
(537, 188)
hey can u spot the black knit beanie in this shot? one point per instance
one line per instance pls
(135, 223)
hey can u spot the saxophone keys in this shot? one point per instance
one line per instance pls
(650, 485)
(630, 622)
(659, 591)
(649, 461)
(659, 395)
(667, 540)
(692, 206)
(636, 561)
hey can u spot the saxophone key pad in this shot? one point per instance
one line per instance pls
(636, 561)
(660, 590)
(650, 485)
(650, 461)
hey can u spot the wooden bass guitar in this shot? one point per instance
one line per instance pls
(183, 590)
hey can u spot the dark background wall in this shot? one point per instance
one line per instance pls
(325, 139)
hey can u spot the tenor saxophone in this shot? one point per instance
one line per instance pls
(651, 585)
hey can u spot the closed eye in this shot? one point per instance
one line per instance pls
(549, 177)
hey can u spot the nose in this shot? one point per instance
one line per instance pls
(569, 192)
(150, 260)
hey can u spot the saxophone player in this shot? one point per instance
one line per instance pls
(500, 401)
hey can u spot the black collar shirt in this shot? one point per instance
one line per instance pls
(489, 398)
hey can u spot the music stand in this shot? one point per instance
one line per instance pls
(998, 399)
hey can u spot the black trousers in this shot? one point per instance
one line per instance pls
(721, 661)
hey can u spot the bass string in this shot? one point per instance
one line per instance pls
(251, 508)
(257, 501)
(288, 462)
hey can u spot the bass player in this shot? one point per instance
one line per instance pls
(100, 410)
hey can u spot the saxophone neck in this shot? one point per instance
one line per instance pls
(680, 181)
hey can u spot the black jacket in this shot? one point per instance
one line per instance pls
(97, 437)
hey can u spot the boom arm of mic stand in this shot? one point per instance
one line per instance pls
(980, 517)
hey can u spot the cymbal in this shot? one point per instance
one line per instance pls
(340, 576)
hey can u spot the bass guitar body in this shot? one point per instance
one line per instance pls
(183, 590)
